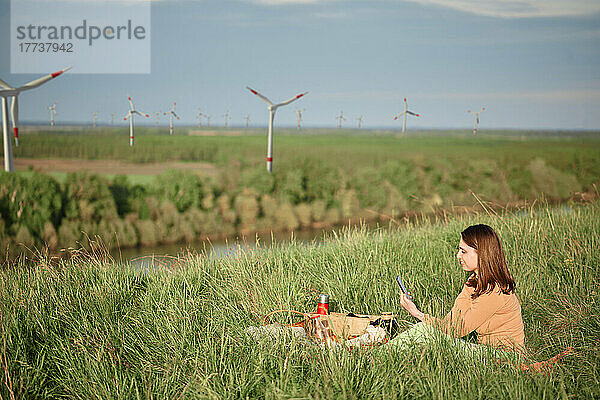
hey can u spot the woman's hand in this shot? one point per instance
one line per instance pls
(410, 307)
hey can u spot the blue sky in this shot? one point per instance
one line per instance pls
(533, 64)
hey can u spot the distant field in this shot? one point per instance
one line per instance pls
(350, 150)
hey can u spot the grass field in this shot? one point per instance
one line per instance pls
(92, 328)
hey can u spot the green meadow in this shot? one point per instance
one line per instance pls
(92, 327)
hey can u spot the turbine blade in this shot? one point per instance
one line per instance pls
(175, 114)
(14, 111)
(283, 103)
(399, 115)
(5, 85)
(269, 102)
(40, 81)
(131, 107)
(412, 113)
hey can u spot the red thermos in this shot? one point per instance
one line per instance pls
(323, 307)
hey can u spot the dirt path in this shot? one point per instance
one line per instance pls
(110, 166)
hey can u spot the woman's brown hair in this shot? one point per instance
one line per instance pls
(491, 264)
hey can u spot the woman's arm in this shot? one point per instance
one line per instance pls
(460, 322)
(464, 318)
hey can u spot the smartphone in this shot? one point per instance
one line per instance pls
(402, 286)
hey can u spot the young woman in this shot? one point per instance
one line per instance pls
(487, 303)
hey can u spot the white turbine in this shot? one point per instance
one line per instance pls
(207, 120)
(299, 113)
(404, 113)
(129, 115)
(199, 116)
(272, 108)
(340, 118)
(171, 114)
(247, 118)
(112, 119)
(52, 110)
(9, 91)
(157, 118)
(227, 118)
(476, 118)
(360, 120)
(95, 118)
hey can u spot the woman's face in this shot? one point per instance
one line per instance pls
(467, 256)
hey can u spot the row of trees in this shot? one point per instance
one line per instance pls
(178, 206)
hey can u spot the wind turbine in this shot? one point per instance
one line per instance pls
(199, 116)
(95, 118)
(9, 91)
(129, 115)
(404, 113)
(171, 114)
(476, 118)
(156, 118)
(299, 112)
(207, 120)
(247, 118)
(340, 118)
(52, 110)
(360, 120)
(227, 117)
(112, 119)
(272, 108)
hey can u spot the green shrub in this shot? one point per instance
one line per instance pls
(371, 192)
(88, 198)
(69, 233)
(184, 189)
(247, 209)
(318, 209)
(268, 206)
(30, 202)
(259, 179)
(49, 236)
(349, 202)
(24, 238)
(303, 212)
(286, 218)
(147, 232)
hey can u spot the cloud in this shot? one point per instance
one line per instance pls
(519, 8)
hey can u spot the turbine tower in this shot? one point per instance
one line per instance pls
(95, 118)
(171, 114)
(404, 113)
(360, 120)
(227, 118)
(207, 120)
(299, 113)
(272, 108)
(129, 115)
(156, 118)
(52, 110)
(112, 119)
(340, 118)
(476, 118)
(7, 91)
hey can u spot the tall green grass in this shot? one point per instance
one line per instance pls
(92, 327)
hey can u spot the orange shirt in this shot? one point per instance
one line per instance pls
(495, 316)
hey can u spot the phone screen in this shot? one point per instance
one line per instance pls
(401, 285)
